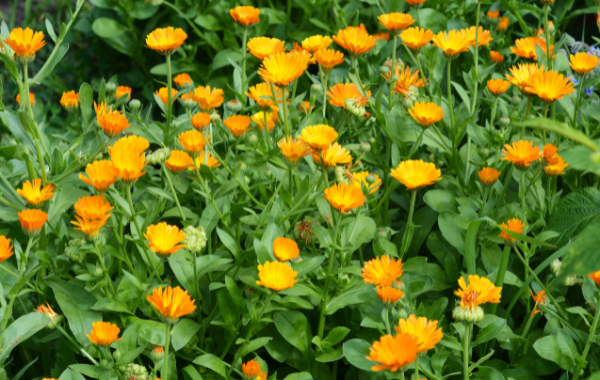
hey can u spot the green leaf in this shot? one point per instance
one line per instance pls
(581, 256)
(89, 370)
(69, 374)
(462, 93)
(440, 200)
(115, 35)
(573, 213)
(227, 307)
(62, 201)
(299, 376)
(359, 232)
(183, 331)
(356, 352)
(350, 296)
(20, 330)
(471, 246)
(294, 328)
(559, 128)
(108, 304)
(50, 64)
(255, 344)
(558, 348)
(213, 363)
(490, 327)
(150, 331)
(336, 335)
(229, 242)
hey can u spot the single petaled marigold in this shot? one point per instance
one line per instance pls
(127, 165)
(521, 153)
(178, 161)
(452, 43)
(25, 43)
(359, 179)
(201, 120)
(172, 303)
(550, 86)
(416, 173)
(182, 80)
(315, 43)
(122, 91)
(92, 213)
(99, 175)
(32, 221)
(344, 197)
(406, 80)
(259, 119)
(525, 47)
(389, 295)
(262, 95)
(318, 136)
(557, 167)
(111, 122)
(31, 99)
(251, 370)
(497, 86)
(164, 239)
(69, 100)
(583, 63)
(416, 38)
(382, 271)
(595, 277)
(208, 99)
(6, 250)
(522, 75)
(192, 141)
(514, 225)
(166, 40)
(341, 92)
(237, 124)
(480, 290)
(332, 156)
(163, 95)
(426, 113)
(292, 149)
(393, 353)
(276, 276)
(211, 162)
(496, 57)
(484, 36)
(492, 15)
(245, 15)
(283, 68)
(355, 40)
(427, 332)
(503, 24)
(34, 193)
(329, 58)
(540, 299)
(104, 333)
(262, 47)
(488, 176)
(395, 21)
(285, 249)
(133, 143)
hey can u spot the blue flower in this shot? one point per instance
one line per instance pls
(572, 79)
(589, 91)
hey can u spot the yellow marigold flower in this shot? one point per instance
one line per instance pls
(262, 95)
(416, 38)
(251, 370)
(69, 100)
(415, 2)
(292, 149)
(211, 162)
(133, 143)
(92, 213)
(360, 179)
(245, 15)
(503, 24)
(164, 239)
(111, 122)
(262, 47)
(540, 299)
(484, 38)
(415, 174)
(163, 95)
(122, 91)
(452, 43)
(237, 124)
(406, 80)
(557, 167)
(426, 113)
(550, 86)
(595, 277)
(389, 295)
(276, 276)
(104, 333)
(525, 47)
(99, 175)
(355, 40)
(127, 165)
(201, 120)
(192, 141)
(427, 333)
(329, 58)
(315, 43)
(394, 22)
(31, 99)
(522, 75)
(393, 353)
(521, 153)
(166, 40)
(208, 99)
(172, 303)
(318, 136)
(182, 80)
(488, 176)
(32, 221)
(299, 50)
(497, 86)
(492, 15)
(47, 309)
(480, 290)
(25, 43)
(285, 249)
(260, 117)
(178, 161)
(34, 193)
(382, 271)
(344, 197)
(496, 57)
(549, 153)
(332, 156)
(6, 250)
(283, 68)
(514, 225)
(341, 92)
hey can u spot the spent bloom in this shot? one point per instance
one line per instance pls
(33, 192)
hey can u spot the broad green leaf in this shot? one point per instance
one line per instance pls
(20, 330)
(356, 352)
(108, 304)
(573, 213)
(294, 328)
(350, 296)
(213, 363)
(182, 332)
(558, 348)
(490, 327)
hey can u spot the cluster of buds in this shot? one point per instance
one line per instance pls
(195, 239)
(340, 176)
(73, 249)
(158, 156)
(135, 372)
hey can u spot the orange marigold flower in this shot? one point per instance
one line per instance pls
(237, 124)
(395, 21)
(416, 173)
(172, 303)
(69, 100)
(99, 175)
(503, 24)
(285, 249)
(595, 277)
(514, 225)
(355, 40)
(201, 120)
(484, 38)
(416, 38)
(127, 165)
(178, 161)
(259, 119)
(550, 86)
(276, 276)
(488, 176)
(262, 47)
(427, 332)
(344, 197)
(389, 295)
(47, 309)
(163, 95)
(25, 43)
(318, 136)
(496, 57)
(521, 153)
(557, 167)
(341, 92)
(393, 353)
(525, 47)
(283, 68)
(133, 143)
(406, 80)
(262, 95)
(497, 86)
(182, 80)
(382, 271)
(426, 113)
(480, 290)
(251, 370)
(415, 2)
(381, 36)
(211, 162)
(329, 58)
(33, 192)
(31, 99)
(245, 15)
(305, 107)
(359, 179)
(583, 63)
(32, 221)
(192, 141)
(166, 40)
(292, 149)
(122, 91)
(104, 333)
(452, 43)
(208, 99)
(332, 156)
(522, 75)
(549, 153)
(92, 212)
(315, 43)
(299, 50)
(164, 239)
(6, 250)
(493, 14)
(540, 299)
(111, 122)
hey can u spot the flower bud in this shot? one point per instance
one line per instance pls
(354, 108)
(570, 281)
(555, 266)
(595, 157)
(515, 100)
(407, 102)
(111, 90)
(243, 166)
(372, 140)
(157, 354)
(382, 234)
(187, 102)
(252, 139)
(104, 363)
(402, 314)
(251, 294)
(268, 173)
(135, 105)
(370, 179)
(136, 372)
(365, 147)
(460, 11)
(117, 355)
(343, 280)
(158, 156)
(195, 238)
(316, 89)
(340, 177)
(98, 272)
(73, 250)
(505, 121)
(485, 151)
(215, 117)
(465, 314)
(233, 106)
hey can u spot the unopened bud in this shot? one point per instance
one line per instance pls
(354, 108)
(340, 176)
(372, 140)
(158, 156)
(98, 272)
(195, 238)
(505, 121)
(515, 100)
(570, 281)
(233, 106)
(117, 355)
(365, 147)
(252, 139)
(466, 314)
(157, 354)
(215, 117)
(111, 90)
(382, 234)
(555, 266)
(187, 101)
(316, 89)
(135, 105)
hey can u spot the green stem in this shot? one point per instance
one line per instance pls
(40, 158)
(285, 110)
(505, 187)
(328, 280)
(355, 68)
(169, 101)
(466, 342)
(387, 320)
(392, 71)
(266, 211)
(173, 192)
(547, 33)
(15, 292)
(73, 342)
(324, 80)
(526, 115)
(324, 168)
(137, 225)
(493, 117)
(579, 91)
(406, 239)
(190, 22)
(417, 361)
(421, 71)
(588, 344)
(451, 108)
(109, 284)
(476, 57)
(7, 203)
(540, 283)
(165, 375)
(501, 273)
